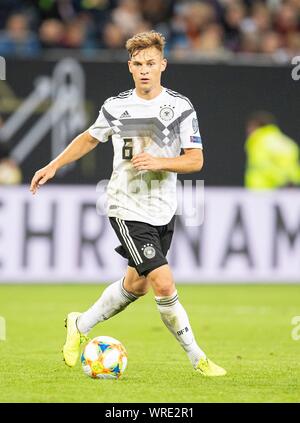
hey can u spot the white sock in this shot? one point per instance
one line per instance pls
(175, 318)
(114, 299)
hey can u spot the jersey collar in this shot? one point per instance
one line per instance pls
(153, 100)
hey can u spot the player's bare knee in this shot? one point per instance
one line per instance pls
(137, 286)
(164, 291)
(141, 286)
(162, 285)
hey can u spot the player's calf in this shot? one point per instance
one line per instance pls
(135, 284)
(114, 299)
(172, 312)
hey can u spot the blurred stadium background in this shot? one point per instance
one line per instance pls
(230, 57)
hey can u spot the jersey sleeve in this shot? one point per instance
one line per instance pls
(101, 129)
(189, 130)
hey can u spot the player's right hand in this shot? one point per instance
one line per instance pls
(42, 176)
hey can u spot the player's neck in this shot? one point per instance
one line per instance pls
(149, 94)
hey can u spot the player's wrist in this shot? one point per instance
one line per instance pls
(162, 163)
(54, 164)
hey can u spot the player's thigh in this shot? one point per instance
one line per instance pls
(135, 283)
(162, 282)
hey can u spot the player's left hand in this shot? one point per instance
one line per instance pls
(144, 161)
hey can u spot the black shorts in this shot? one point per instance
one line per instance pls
(144, 245)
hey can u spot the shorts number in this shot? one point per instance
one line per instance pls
(127, 150)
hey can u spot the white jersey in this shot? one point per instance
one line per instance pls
(160, 127)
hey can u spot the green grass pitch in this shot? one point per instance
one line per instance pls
(245, 328)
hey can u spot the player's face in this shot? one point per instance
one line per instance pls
(146, 67)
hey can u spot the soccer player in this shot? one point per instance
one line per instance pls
(148, 125)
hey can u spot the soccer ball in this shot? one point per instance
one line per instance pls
(104, 358)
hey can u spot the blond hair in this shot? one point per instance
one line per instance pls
(145, 40)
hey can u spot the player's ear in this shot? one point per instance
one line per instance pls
(129, 66)
(163, 64)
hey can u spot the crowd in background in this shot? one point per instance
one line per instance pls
(192, 28)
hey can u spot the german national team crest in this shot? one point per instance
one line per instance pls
(149, 251)
(166, 113)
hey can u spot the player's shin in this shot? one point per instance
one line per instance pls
(114, 299)
(175, 318)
